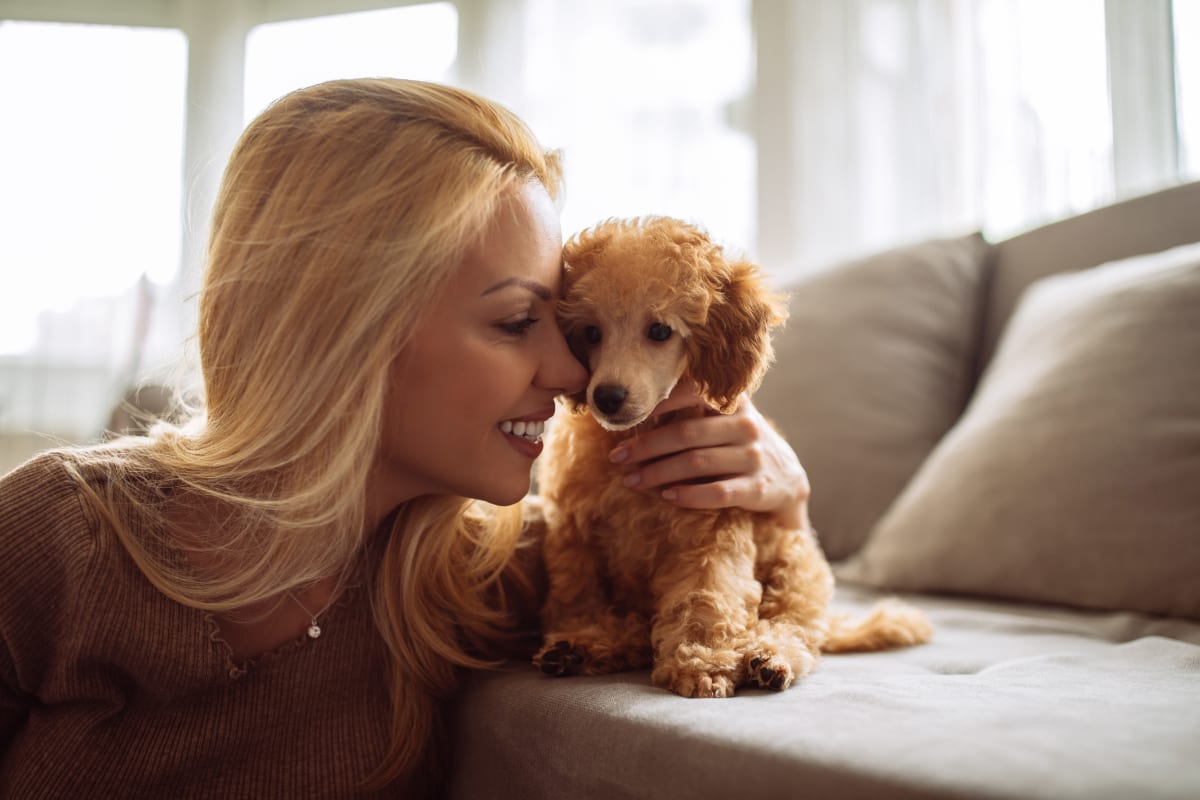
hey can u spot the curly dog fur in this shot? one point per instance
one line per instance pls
(710, 600)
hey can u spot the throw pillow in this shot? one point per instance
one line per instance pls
(873, 367)
(1074, 476)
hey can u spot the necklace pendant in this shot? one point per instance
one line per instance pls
(314, 630)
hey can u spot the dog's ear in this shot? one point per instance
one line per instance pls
(730, 352)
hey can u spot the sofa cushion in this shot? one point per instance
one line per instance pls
(1074, 475)
(873, 368)
(1007, 701)
(1147, 224)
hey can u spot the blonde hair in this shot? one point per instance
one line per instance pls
(343, 211)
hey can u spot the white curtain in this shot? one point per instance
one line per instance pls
(914, 118)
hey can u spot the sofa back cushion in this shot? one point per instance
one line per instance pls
(1142, 225)
(1074, 475)
(873, 367)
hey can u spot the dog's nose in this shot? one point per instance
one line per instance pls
(609, 397)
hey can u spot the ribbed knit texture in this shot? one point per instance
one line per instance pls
(108, 689)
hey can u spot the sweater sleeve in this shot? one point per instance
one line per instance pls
(45, 538)
(13, 707)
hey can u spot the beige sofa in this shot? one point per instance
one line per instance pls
(1006, 434)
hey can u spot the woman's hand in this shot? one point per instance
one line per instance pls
(718, 461)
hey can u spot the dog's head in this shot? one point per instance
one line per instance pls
(649, 301)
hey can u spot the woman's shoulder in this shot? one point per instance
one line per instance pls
(46, 526)
(58, 552)
(43, 488)
(40, 492)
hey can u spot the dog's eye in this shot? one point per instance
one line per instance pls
(591, 334)
(659, 332)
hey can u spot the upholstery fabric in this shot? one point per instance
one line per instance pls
(1074, 475)
(873, 367)
(1008, 701)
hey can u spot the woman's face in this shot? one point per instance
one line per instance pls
(487, 362)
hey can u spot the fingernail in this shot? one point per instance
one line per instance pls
(632, 479)
(619, 455)
(670, 494)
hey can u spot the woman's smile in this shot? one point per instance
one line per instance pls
(525, 433)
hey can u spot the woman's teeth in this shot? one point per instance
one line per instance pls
(526, 430)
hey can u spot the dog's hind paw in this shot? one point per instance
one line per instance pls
(769, 672)
(560, 659)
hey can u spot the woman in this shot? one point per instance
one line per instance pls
(277, 597)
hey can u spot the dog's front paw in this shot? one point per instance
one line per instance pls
(701, 684)
(560, 659)
(769, 672)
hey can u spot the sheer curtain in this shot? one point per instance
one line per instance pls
(807, 131)
(1186, 23)
(641, 96)
(904, 119)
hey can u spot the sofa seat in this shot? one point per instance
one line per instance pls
(1007, 701)
(1007, 434)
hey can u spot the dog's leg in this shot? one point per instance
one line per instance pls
(793, 617)
(795, 624)
(583, 634)
(707, 599)
(605, 643)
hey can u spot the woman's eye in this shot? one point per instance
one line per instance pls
(520, 327)
(659, 332)
(591, 334)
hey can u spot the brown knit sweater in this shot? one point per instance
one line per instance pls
(109, 689)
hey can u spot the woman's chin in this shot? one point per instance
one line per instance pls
(515, 492)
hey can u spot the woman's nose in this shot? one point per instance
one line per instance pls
(561, 371)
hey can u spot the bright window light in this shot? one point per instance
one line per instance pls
(1048, 124)
(1187, 83)
(641, 96)
(91, 153)
(417, 42)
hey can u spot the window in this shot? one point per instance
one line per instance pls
(802, 133)
(416, 42)
(90, 215)
(1187, 81)
(906, 119)
(639, 96)
(1047, 138)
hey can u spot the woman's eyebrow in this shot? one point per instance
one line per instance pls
(533, 286)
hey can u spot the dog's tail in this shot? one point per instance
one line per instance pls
(889, 624)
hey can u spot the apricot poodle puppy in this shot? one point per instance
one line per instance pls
(710, 599)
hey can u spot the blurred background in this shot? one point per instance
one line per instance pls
(801, 132)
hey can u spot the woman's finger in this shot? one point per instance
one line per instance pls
(696, 465)
(689, 434)
(741, 492)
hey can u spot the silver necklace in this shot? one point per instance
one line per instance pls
(314, 630)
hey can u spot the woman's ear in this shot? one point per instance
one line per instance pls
(730, 352)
